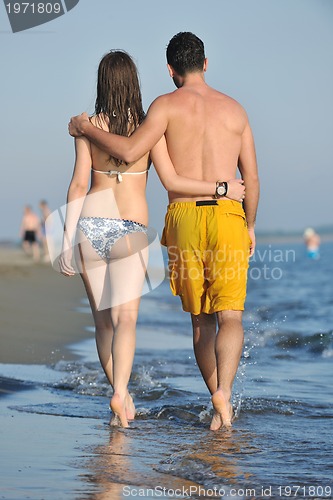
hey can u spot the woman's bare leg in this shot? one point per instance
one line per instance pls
(124, 318)
(127, 274)
(94, 273)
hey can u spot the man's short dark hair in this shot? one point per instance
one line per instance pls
(185, 53)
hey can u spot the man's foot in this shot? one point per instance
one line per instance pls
(130, 408)
(117, 405)
(223, 412)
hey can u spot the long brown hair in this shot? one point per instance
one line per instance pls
(118, 101)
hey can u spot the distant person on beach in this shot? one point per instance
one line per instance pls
(30, 233)
(209, 240)
(312, 242)
(45, 213)
(110, 222)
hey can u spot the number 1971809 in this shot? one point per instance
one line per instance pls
(33, 8)
(305, 491)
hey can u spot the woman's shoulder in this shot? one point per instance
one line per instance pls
(100, 121)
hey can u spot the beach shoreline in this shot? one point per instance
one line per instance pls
(54, 396)
(39, 311)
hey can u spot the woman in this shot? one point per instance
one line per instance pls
(110, 223)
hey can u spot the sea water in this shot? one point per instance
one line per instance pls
(280, 445)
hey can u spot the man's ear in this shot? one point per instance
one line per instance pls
(171, 70)
(205, 66)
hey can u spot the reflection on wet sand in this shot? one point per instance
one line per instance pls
(131, 465)
(219, 457)
(127, 464)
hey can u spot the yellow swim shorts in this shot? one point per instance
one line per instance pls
(208, 248)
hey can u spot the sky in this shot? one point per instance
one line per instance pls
(273, 56)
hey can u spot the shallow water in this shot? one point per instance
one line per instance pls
(281, 443)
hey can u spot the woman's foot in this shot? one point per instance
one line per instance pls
(130, 407)
(118, 407)
(223, 411)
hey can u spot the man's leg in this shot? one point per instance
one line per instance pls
(204, 337)
(228, 349)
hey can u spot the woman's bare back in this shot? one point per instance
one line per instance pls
(116, 195)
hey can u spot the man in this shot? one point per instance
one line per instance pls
(208, 137)
(30, 233)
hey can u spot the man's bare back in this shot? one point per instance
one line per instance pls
(210, 125)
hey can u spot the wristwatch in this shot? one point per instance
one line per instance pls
(221, 189)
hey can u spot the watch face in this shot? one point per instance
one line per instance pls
(221, 190)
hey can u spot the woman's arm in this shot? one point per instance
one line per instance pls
(75, 197)
(184, 185)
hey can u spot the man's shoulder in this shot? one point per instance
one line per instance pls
(234, 109)
(231, 102)
(161, 104)
(164, 98)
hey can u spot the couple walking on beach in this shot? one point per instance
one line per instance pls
(197, 138)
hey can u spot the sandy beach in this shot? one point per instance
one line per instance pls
(38, 310)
